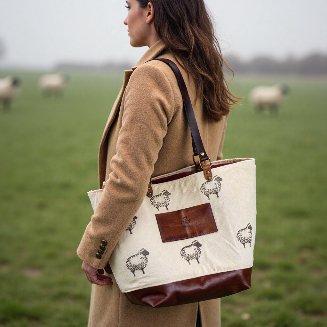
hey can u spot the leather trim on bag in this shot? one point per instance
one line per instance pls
(190, 171)
(186, 223)
(193, 290)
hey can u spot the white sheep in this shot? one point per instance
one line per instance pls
(161, 200)
(270, 97)
(53, 84)
(245, 235)
(138, 261)
(8, 90)
(211, 187)
(191, 252)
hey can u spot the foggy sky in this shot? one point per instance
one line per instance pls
(40, 33)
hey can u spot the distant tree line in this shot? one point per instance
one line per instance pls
(313, 64)
(109, 66)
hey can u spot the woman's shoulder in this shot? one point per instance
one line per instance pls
(154, 69)
(155, 78)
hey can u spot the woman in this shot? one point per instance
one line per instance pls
(146, 135)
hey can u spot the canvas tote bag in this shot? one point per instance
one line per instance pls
(193, 237)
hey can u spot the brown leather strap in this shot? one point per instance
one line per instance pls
(198, 148)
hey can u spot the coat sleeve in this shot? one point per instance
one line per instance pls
(149, 106)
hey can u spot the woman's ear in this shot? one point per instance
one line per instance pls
(149, 13)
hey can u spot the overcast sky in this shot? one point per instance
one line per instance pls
(40, 33)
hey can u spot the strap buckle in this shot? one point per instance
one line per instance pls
(149, 193)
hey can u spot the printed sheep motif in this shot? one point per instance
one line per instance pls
(161, 200)
(138, 261)
(211, 187)
(191, 252)
(132, 225)
(245, 235)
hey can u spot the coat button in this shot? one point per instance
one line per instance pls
(102, 247)
(104, 243)
(98, 255)
(101, 251)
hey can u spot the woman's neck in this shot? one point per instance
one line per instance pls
(153, 38)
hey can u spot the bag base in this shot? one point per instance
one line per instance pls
(193, 290)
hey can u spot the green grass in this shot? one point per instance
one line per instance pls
(48, 161)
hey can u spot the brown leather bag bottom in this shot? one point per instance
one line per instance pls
(193, 290)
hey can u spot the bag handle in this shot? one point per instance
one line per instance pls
(198, 148)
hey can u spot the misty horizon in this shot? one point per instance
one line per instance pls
(42, 34)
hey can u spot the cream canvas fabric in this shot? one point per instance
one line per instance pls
(142, 260)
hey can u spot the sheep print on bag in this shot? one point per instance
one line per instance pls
(190, 235)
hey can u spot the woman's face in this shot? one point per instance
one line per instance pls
(138, 29)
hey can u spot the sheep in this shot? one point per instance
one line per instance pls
(53, 83)
(132, 225)
(211, 187)
(138, 261)
(161, 200)
(268, 97)
(245, 235)
(191, 252)
(8, 90)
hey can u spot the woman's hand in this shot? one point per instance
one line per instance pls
(96, 276)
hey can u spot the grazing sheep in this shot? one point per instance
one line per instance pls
(132, 225)
(211, 187)
(53, 84)
(8, 90)
(137, 261)
(161, 200)
(245, 235)
(270, 97)
(191, 252)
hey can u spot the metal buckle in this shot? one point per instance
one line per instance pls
(149, 193)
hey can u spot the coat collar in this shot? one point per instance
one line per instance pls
(154, 51)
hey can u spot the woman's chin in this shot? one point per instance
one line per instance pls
(136, 44)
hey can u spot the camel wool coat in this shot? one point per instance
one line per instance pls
(146, 135)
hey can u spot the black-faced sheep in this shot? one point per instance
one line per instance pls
(211, 187)
(245, 235)
(53, 84)
(270, 97)
(137, 261)
(132, 225)
(8, 90)
(191, 252)
(161, 200)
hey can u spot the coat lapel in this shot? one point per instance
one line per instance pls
(116, 105)
(152, 53)
(104, 139)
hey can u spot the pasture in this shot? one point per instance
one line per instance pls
(48, 161)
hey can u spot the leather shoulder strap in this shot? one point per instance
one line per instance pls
(198, 147)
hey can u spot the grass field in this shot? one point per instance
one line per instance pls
(48, 160)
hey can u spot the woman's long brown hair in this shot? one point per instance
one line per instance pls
(186, 29)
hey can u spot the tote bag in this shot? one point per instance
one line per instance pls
(193, 237)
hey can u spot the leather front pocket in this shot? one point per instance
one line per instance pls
(186, 223)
